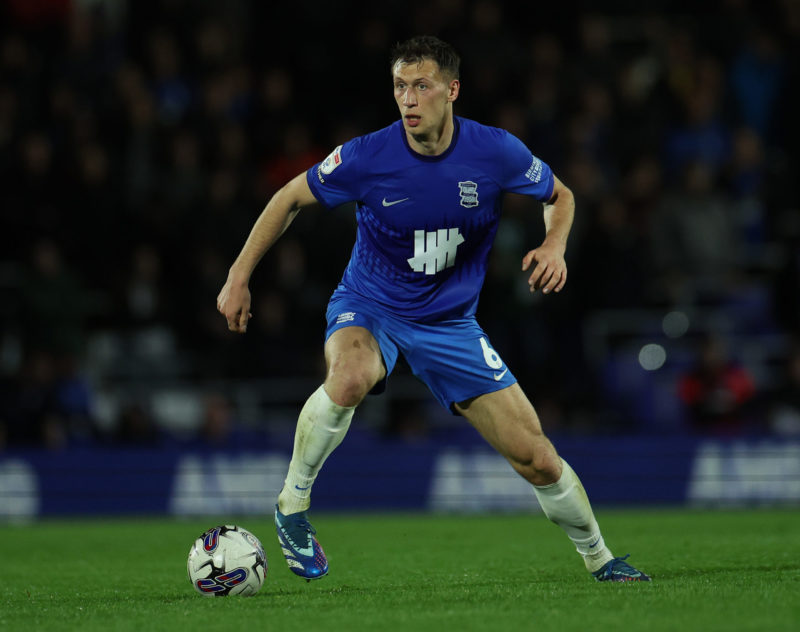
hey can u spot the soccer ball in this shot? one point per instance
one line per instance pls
(227, 560)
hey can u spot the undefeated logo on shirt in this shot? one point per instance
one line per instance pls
(435, 250)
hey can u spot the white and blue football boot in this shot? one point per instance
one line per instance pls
(303, 553)
(618, 570)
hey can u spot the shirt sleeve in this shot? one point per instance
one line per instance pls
(525, 173)
(335, 180)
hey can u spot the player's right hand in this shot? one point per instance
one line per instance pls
(233, 302)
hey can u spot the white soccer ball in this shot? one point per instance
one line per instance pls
(227, 560)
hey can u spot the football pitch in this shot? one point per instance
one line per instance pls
(719, 570)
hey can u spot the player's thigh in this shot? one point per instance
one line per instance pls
(354, 365)
(508, 421)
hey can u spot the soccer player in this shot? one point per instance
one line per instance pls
(428, 190)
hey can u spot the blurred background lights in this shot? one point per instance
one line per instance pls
(652, 357)
(675, 324)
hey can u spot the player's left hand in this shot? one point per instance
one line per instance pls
(550, 272)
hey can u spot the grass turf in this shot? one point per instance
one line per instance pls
(711, 571)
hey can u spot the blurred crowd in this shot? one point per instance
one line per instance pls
(140, 140)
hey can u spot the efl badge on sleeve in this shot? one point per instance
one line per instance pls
(332, 161)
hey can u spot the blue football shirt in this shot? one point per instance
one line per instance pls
(426, 224)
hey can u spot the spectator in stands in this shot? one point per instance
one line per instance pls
(220, 427)
(784, 415)
(30, 410)
(757, 75)
(135, 426)
(54, 304)
(694, 239)
(716, 391)
(786, 283)
(611, 274)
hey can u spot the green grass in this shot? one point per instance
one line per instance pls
(711, 570)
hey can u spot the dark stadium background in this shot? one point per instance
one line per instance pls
(140, 140)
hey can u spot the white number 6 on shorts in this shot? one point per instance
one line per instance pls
(490, 355)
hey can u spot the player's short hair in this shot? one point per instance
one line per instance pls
(418, 49)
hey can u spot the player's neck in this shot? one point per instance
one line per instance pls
(435, 142)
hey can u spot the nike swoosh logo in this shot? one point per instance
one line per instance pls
(591, 546)
(302, 489)
(499, 376)
(393, 202)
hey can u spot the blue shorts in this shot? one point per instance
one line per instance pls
(454, 358)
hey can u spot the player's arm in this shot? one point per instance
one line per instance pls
(550, 271)
(233, 301)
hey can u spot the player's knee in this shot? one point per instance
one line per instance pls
(539, 464)
(349, 393)
(546, 472)
(352, 375)
(349, 388)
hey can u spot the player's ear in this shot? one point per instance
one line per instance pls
(453, 88)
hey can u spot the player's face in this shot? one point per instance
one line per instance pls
(424, 96)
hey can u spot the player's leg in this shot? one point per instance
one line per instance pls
(508, 421)
(354, 366)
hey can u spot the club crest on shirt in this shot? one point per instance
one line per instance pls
(469, 193)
